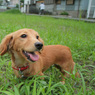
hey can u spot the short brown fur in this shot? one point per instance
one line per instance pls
(49, 55)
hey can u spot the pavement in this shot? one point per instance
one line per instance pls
(69, 17)
(78, 19)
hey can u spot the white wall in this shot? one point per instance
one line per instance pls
(26, 2)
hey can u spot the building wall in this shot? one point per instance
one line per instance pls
(63, 6)
(3, 8)
(73, 9)
(49, 7)
(14, 2)
(84, 5)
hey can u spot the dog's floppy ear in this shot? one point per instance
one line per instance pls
(6, 44)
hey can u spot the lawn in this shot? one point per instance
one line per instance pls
(78, 35)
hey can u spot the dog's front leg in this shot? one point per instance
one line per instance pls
(41, 74)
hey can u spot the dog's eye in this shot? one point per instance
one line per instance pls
(37, 37)
(23, 36)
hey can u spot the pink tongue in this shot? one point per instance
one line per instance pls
(34, 57)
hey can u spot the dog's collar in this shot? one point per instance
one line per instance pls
(20, 68)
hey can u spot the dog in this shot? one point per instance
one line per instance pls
(30, 57)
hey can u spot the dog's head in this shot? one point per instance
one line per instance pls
(24, 41)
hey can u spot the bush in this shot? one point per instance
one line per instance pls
(17, 5)
(64, 13)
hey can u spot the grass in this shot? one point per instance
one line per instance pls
(78, 35)
(12, 11)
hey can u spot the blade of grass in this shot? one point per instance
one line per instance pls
(7, 92)
(49, 87)
(34, 88)
(16, 91)
(83, 83)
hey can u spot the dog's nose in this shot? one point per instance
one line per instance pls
(38, 45)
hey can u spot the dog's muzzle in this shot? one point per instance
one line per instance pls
(31, 55)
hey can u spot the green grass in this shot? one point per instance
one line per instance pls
(12, 11)
(78, 35)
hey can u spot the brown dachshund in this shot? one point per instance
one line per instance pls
(31, 57)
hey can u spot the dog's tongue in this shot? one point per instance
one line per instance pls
(33, 56)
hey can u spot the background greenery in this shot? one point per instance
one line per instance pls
(78, 35)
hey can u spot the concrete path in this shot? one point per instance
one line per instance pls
(82, 19)
(63, 17)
